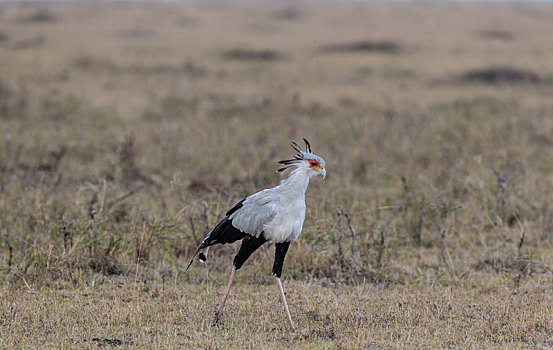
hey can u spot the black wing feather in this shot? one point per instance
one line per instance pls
(223, 233)
(235, 208)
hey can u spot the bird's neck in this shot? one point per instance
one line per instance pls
(297, 181)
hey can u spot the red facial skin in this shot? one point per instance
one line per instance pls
(314, 164)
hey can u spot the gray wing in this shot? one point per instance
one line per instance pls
(257, 210)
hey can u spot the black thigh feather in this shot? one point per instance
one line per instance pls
(280, 252)
(249, 245)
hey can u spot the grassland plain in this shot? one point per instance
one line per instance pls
(127, 130)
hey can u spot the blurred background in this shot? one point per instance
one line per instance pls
(128, 129)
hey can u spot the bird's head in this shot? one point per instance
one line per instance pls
(305, 159)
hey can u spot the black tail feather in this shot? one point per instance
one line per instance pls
(193, 256)
(223, 233)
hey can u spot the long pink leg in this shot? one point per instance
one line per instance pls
(285, 304)
(220, 313)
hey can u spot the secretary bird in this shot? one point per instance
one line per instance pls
(274, 215)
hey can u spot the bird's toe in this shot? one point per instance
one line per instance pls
(217, 321)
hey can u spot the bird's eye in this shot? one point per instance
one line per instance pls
(313, 163)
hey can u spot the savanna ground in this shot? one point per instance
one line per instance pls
(127, 130)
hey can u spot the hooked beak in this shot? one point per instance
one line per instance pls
(323, 172)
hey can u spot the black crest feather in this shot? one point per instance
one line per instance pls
(296, 146)
(284, 168)
(298, 157)
(307, 145)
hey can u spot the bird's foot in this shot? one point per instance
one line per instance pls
(217, 320)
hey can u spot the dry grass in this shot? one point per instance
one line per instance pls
(129, 129)
(170, 316)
